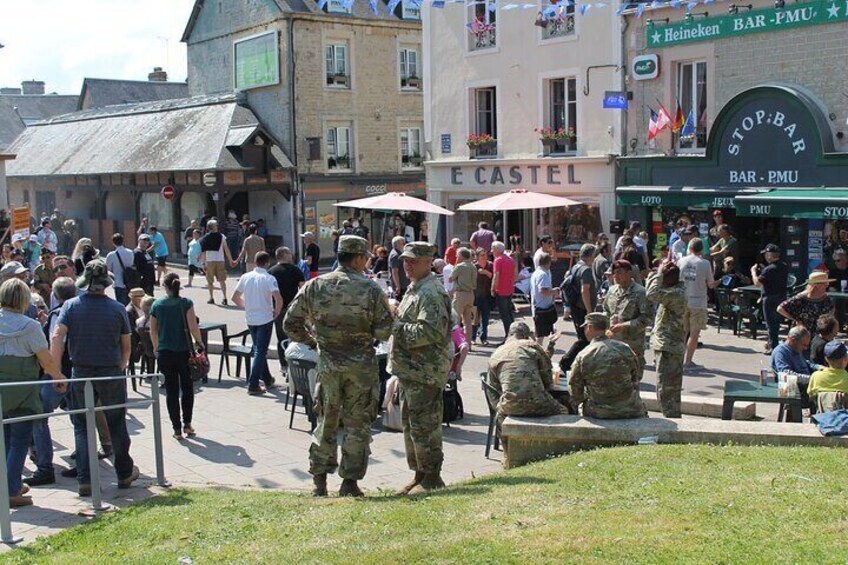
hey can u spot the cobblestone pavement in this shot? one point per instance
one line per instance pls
(245, 442)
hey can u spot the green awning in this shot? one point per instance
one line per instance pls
(680, 196)
(818, 203)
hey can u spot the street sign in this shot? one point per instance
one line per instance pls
(446, 143)
(209, 179)
(646, 67)
(168, 192)
(615, 99)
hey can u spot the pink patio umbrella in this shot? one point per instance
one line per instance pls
(395, 201)
(518, 199)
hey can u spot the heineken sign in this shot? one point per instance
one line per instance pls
(756, 21)
(646, 67)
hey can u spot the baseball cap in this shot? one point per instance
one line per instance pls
(307, 234)
(835, 350)
(771, 248)
(18, 237)
(11, 269)
(418, 249)
(353, 244)
(597, 320)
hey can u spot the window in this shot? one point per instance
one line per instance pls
(337, 65)
(409, 77)
(410, 147)
(411, 9)
(338, 7)
(482, 16)
(485, 123)
(339, 148)
(692, 95)
(556, 18)
(562, 115)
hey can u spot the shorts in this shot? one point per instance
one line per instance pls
(161, 260)
(544, 321)
(216, 270)
(313, 275)
(695, 319)
(194, 270)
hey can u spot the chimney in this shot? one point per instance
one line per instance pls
(8, 90)
(35, 87)
(158, 75)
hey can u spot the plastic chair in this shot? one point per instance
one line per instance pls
(299, 375)
(749, 308)
(726, 307)
(284, 365)
(490, 393)
(239, 351)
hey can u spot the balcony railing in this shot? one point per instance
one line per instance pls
(339, 163)
(559, 26)
(484, 37)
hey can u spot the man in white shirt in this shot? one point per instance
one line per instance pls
(546, 245)
(681, 247)
(697, 274)
(258, 293)
(117, 261)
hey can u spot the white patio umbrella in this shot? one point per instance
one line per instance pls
(518, 199)
(395, 201)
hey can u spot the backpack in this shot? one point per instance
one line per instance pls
(453, 408)
(132, 278)
(571, 286)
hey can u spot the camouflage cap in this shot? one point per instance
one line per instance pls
(418, 249)
(96, 276)
(596, 320)
(353, 244)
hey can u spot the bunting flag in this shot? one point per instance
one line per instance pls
(373, 4)
(679, 119)
(640, 9)
(438, 3)
(663, 118)
(584, 8)
(652, 125)
(322, 4)
(393, 4)
(688, 130)
(348, 4)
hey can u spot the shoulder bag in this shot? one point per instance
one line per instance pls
(198, 362)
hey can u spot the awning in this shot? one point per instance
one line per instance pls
(681, 196)
(796, 203)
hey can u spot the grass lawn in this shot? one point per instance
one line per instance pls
(644, 504)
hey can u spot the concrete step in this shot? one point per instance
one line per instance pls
(534, 439)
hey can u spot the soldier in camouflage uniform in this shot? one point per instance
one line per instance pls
(420, 357)
(605, 376)
(668, 340)
(628, 310)
(344, 312)
(520, 370)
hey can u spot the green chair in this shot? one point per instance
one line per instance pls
(726, 308)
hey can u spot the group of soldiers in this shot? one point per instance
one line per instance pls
(604, 377)
(344, 313)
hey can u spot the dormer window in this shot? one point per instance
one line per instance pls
(338, 7)
(411, 9)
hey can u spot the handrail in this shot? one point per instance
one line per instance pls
(89, 410)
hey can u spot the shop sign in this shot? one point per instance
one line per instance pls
(514, 175)
(645, 67)
(764, 20)
(616, 100)
(256, 61)
(375, 189)
(209, 179)
(20, 221)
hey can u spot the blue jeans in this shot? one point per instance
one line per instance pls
(484, 308)
(17, 438)
(261, 337)
(41, 438)
(772, 318)
(122, 295)
(108, 393)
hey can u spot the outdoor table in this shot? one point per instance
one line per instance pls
(754, 392)
(207, 327)
(752, 288)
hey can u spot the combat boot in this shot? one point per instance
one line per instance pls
(419, 476)
(431, 481)
(350, 488)
(320, 482)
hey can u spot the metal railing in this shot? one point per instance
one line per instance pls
(89, 409)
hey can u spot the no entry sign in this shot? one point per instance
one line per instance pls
(168, 192)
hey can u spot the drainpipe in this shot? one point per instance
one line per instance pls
(297, 202)
(623, 125)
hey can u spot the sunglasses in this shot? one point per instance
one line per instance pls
(61, 267)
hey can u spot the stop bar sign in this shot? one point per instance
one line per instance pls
(168, 192)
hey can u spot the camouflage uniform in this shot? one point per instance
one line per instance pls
(520, 370)
(668, 341)
(631, 307)
(420, 357)
(605, 379)
(348, 312)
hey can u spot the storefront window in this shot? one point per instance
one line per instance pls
(574, 225)
(692, 94)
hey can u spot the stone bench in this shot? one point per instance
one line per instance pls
(534, 439)
(706, 406)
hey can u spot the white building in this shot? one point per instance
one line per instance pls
(489, 70)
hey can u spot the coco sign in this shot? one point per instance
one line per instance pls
(645, 67)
